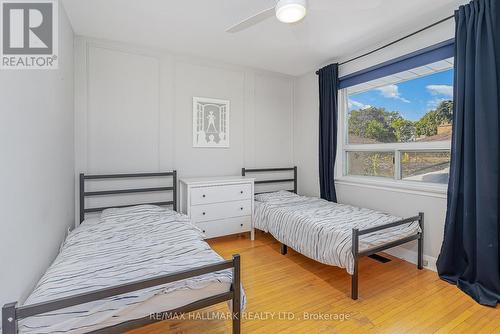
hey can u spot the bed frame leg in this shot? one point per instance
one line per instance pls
(283, 249)
(354, 278)
(354, 282)
(174, 192)
(9, 319)
(420, 260)
(236, 295)
(82, 197)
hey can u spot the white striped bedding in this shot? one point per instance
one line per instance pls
(125, 245)
(322, 230)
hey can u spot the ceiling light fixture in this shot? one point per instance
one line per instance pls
(290, 11)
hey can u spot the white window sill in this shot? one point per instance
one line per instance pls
(410, 187)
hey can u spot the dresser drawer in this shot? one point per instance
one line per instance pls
(225, 226)
(221, 210)
(223, 193)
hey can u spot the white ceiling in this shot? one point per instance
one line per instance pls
(333, 29)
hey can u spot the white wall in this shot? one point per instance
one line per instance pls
(134, 112)
(395, 201)
(36, 169)
(305, 134)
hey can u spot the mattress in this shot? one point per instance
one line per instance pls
(322, 230)
(122, 246)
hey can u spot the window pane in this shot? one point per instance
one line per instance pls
(371, 163)
(425, 166)
(411, 106)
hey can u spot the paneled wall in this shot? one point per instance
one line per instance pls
(134, 112)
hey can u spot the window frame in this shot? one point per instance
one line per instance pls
(342, 177)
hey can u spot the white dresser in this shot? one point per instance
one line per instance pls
(219, 205)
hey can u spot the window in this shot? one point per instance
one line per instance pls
(370, 163)
(399, 126)
(425, 166)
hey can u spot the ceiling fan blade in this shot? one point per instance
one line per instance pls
(252, 20)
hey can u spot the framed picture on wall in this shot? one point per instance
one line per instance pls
(210, 122)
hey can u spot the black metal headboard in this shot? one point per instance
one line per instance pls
(244, 172)
(84, 193)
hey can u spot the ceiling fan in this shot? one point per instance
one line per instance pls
(286, 11)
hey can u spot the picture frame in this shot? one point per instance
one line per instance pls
(211, 122)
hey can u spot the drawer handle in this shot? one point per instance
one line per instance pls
(241, 192)
(241, 208)
(203, 231)
(241, 225)
(203, 213)
(203, 196)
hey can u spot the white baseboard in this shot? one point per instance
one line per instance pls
(411, 256)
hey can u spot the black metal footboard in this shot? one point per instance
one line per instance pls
(11, 313)
(357, 254)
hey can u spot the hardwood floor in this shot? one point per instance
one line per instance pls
(395, 297)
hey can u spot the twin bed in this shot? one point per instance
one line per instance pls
(330, 233)
(136, 264)
(127, 267)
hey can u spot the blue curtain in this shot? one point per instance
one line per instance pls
(470, 252)
(328, 78)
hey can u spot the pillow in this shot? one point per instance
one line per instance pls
(132, 210)
(282, 194)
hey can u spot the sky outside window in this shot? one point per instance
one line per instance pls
(412, 99)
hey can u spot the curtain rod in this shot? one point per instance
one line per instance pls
(396, 41)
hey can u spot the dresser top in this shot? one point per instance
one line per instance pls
(216, 179)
